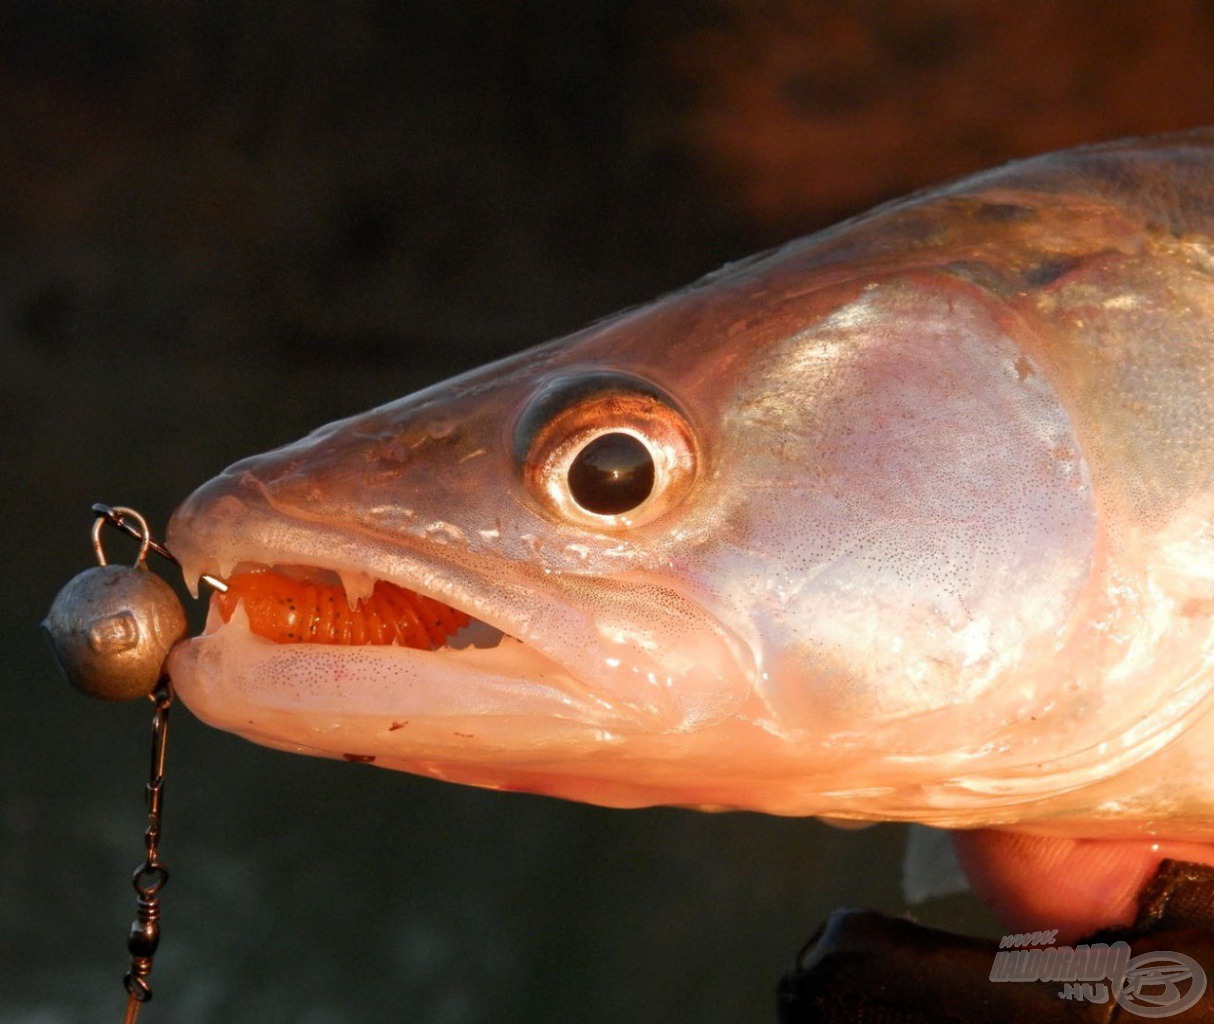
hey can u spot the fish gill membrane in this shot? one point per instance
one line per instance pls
(910, 519)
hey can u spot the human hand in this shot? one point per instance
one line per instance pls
(1075, 885)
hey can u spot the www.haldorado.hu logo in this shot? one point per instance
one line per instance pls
(1158, 984)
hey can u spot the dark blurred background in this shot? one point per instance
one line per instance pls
(223, 224)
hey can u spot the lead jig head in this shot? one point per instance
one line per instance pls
(112, 626)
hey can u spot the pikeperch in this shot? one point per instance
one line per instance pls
(911, 519)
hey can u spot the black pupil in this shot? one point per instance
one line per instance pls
(612, 474)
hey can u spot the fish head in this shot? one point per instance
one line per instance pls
(552, 497)
(733, 543)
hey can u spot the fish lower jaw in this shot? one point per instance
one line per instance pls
(325, 698)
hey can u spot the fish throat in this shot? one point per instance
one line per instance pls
(302, 607)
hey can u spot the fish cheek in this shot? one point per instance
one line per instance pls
(922, 517)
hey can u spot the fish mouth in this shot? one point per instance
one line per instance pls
(526, 674)
(462, 638)
(300, 604)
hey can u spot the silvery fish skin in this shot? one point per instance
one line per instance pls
(930, 538)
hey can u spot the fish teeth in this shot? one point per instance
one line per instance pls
(191, 575)
(358, 586)
(215, 620)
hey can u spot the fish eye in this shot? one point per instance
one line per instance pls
(604, 450)
(612, 474)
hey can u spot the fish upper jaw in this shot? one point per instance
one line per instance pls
(582, 657)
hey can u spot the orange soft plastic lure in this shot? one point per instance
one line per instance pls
(289, 610)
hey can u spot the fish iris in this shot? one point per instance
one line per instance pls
(289, 610)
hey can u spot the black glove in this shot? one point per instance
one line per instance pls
(866, 968)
